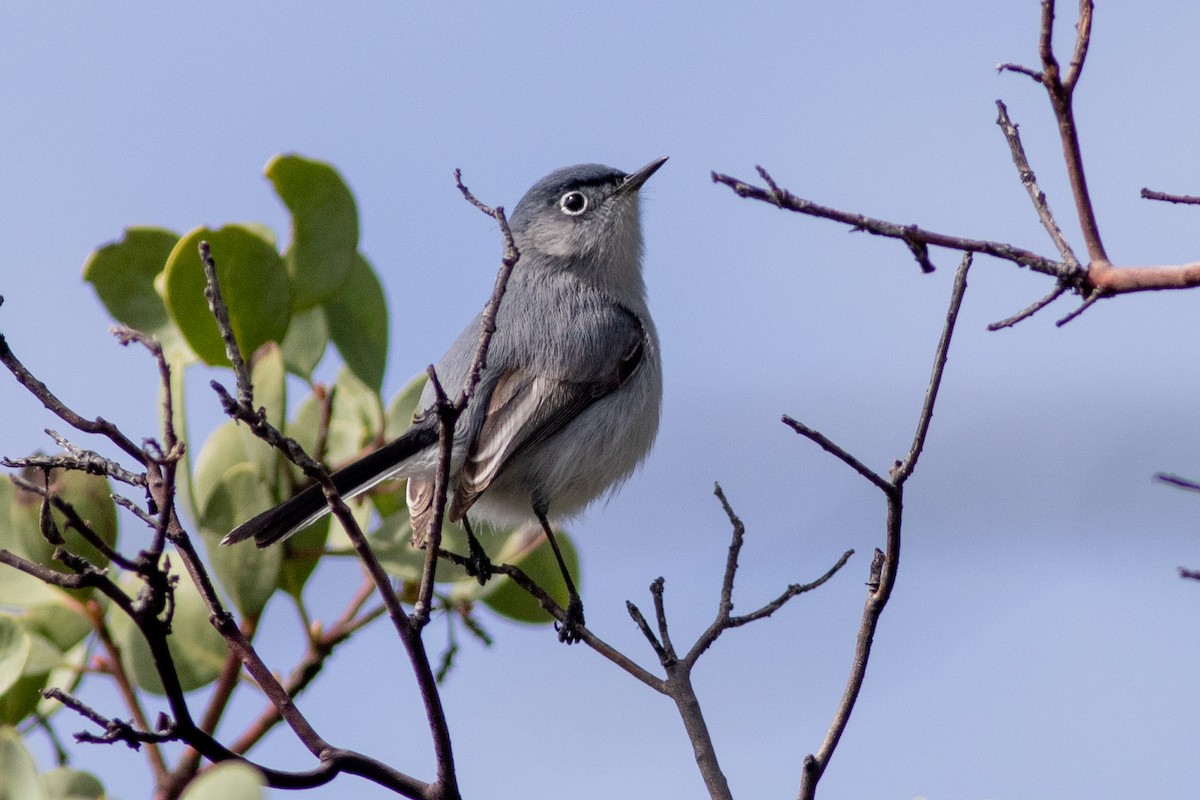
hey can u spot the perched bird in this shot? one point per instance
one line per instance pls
(568, 403)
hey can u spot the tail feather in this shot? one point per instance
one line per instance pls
(306, 507)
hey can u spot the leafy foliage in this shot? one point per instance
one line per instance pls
(286, 307)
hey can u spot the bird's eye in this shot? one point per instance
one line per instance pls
(573, 203)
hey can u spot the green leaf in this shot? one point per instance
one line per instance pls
(18, 590)
(123, 274)
(358, 323)
(356, 420)
(324, 226)
(404, 406)
(88, 494)
(65, 783)
(305, 343)
(392, 543)
(23, 696)
(18, 534)
(254, 284)
(15, 646)
(21, 700)
(301, 554)
(534, 555)
(91, 496)
(224, 449)
(184, 484)
(269, 377)
(60, 621)
(16, 765)
(247, 574)
(66, 676)
(197, 650)
(337, 541)
(229, 780)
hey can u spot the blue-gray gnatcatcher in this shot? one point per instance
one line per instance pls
(568, 403)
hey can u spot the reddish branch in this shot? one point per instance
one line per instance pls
(1099, 278)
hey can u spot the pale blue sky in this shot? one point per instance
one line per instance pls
(1039, 644)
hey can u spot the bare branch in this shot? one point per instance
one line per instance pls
(885, 564)
(77, 459)
(636, 615)
(1020, 70)
(904, 469)
(115, 730)
(1030, 310)
(508, 262)
(1084, 306)
(220, 312)
(1151, 194)
(906, 233)
(830, 447)
(1035, 192)
(792, 591)
(51, 402)
(1176, 480)
(1060, 89)
(75, 521)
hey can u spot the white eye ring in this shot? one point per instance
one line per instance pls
(573, 203)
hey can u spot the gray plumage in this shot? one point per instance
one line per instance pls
(568, 404)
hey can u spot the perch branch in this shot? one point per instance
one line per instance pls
(1187, 199)
(886, 563)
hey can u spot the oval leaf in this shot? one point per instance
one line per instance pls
(15, 646)
(61, 622)
(197, 650)
(539, 563)
(65, 783)
(123, 274)
(404, 406)
(229, 780)
(324, 226)
(269, 376)
(247, 574)
(305, 343)
(358, 323)
(254, 284)
(91, 499)
(301, 554)
(222, 450)
(16, 765)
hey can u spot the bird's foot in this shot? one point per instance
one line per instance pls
(570, 630)
(478, 565)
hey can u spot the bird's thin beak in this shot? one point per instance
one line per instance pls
(634, 181)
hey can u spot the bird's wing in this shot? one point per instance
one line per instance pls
(526, 408)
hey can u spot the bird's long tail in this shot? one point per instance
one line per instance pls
(278, 523)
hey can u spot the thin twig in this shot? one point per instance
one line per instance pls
(907, 233)
(220, 312)
(1030, 310)
(1176, 480)
(903, 470)
(886, 563)
(75, 521)
(639, 619)
(829, 446)
(79, 460)
(1036, 194)
(793, 590)
(1187, 199)
(39, 390)
(1091, 300)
